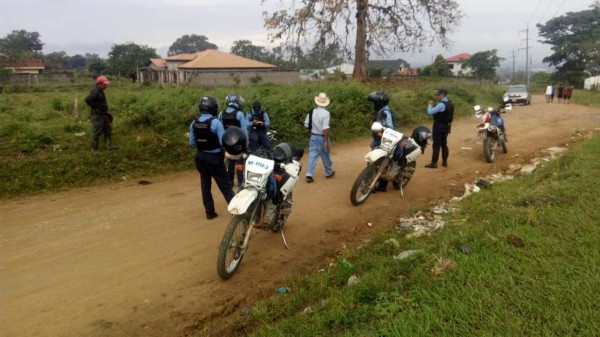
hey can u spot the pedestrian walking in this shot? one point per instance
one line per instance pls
(317, 122)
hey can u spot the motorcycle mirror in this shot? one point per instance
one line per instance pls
(376, 127)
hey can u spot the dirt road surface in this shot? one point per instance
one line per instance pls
(140, 260)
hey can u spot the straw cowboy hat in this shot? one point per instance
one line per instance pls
(322, 100)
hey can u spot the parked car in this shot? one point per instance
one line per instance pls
(518, 94)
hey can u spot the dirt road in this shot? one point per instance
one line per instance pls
(140, 260)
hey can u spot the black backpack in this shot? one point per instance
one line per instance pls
(449, 112)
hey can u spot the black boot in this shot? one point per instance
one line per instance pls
(431, 165)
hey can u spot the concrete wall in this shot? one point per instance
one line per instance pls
(242, 78)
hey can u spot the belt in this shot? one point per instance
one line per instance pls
(317, 134)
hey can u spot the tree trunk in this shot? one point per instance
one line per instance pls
(360, 49)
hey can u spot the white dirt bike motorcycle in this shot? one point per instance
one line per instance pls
(492, 129)
(387, 162)
(265, 202)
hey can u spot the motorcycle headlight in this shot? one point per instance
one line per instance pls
(254, 177)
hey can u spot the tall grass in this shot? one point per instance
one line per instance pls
(45, 131)
(520, 259)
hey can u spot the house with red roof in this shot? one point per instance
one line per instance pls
(455, 64)
(23, 66)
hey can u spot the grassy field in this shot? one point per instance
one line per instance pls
(45, 131)
(518, 259)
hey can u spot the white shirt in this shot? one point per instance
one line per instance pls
(549, 90)
(320, 120)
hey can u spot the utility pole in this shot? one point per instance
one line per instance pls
(526, 55)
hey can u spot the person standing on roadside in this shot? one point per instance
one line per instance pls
(258, 123)
(549, 93)
(206, 134)
(559, 93)
(317, 122)
(443, 113)
(567, 93)
(233, 115)
(99, 116)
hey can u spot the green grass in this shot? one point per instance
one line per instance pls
(533, 269)
(45, 131)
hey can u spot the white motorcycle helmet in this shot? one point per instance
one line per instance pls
(376, 127)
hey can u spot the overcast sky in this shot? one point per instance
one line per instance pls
(94, 26)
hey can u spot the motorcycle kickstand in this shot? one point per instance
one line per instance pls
(284, 240)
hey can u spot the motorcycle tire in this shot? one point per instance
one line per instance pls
(504, 148)
(231, 251)
(365, 182)
(489, 149)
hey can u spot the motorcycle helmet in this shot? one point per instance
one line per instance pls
(376, 127)
(208, 104)
(421, 134)
(234, 100)
(256, 106)
(379, 99)
(282, 152)
(234, 141)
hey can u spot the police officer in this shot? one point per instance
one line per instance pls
(258, 122)
(385, 116)
(206, 133)
(442, 114)
(233, 115)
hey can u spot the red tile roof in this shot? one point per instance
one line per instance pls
(25, 63)
(159, 63)
(459, 57)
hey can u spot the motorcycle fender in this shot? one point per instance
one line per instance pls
(373, 155)
(415, 154)
(289, 186)
(240, 203)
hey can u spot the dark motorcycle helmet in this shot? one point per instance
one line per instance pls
(208, 104)
(283, 152)
(234, 140)
(234, 100)
(421, 134)
(256, 106)
(379, 99)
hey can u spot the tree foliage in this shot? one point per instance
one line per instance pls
(190, 44)
(483, 64)
(379, 26)
(20, 44)
(575, 40)
(124, 59)
(246, 49)
(56, 61)
(439, 68)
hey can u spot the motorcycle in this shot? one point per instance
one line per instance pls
(271, 134)
(492, 129)
(393, 160)
(265, 202)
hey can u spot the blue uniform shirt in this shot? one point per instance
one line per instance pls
(440, 107)
(265, 115)
(389, 122)
(216, 127)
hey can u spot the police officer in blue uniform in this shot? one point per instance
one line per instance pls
(258, 122)
(385, 116)
(206, 133)
(234, 116)
(442, 113)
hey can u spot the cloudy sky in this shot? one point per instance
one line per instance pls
(93, 26)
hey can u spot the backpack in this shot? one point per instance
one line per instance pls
(309, 127)
(449, 112)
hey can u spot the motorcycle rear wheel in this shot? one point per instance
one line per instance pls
(489, 149)
(231, 250)
(365, 182)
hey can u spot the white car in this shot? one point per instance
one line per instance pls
(518, 94)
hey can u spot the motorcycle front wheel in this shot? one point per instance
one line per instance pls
(365, 182)
(489, 149)
(231, 249)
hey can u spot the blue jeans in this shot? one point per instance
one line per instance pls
(316, 149)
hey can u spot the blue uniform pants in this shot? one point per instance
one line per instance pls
(210, 165)
(440, 140)
(316, 149)
(259, 138)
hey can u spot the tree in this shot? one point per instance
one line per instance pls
(379, 25)
(21, 44)
(439, 68)
(56, 61)
(124, 59)
(76, 62)
(575, 40)
(190, 44)
(245, 48)
(483, 64)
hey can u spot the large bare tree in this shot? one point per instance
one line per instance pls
(378, 26)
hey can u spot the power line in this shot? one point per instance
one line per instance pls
(535, 10)
(546, 11)
(559, 7)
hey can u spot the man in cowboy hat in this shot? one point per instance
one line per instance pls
(317, 121)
